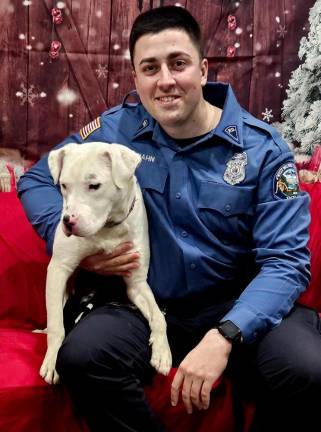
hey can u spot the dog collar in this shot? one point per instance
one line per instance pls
(111, 223)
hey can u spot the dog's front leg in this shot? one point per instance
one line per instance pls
(141, 295)
(57, 276)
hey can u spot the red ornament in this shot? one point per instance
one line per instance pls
(231, 22)
(54, 49)
(55, 45)
(57, 17)
(230, 52)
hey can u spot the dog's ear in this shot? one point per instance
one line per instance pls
(55, 163)
(123, 163)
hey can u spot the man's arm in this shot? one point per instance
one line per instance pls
(280, 235)
(41, 198)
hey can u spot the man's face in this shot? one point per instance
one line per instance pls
(169, 76)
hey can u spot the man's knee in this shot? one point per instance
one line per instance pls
(289, 356)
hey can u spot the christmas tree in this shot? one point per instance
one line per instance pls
(301, 113)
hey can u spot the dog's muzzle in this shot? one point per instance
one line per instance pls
(69, 222)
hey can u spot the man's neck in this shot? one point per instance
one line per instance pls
(204, 120)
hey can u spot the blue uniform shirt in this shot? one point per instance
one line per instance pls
(226, 219)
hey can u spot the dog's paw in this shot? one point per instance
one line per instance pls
(48, 370)
(161, 356)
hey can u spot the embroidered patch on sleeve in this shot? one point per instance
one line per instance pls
(89, 128)
(286, 182)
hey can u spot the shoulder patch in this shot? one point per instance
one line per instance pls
(286, 182)
(89, 128)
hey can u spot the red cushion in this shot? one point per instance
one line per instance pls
(27, 403)
(312, 296)
(22, 268)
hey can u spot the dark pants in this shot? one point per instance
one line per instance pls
(104, 361)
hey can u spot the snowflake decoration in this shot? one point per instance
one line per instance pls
(102, 71)
(281, 31)
(267, 115)
(27, 95)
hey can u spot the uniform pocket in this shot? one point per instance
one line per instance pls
(151, 176)
(225, 199)
(226, 210)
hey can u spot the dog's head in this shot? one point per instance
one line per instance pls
(95, 179)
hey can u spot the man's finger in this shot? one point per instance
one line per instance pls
(176, 387)
(196, 392)
(120, 268)
(121, 260)
(206, 394)
(186, 394)
(121, 249)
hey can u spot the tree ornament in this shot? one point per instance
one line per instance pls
(55, 47)
(57, 17)
(231, 22)
(230, 52)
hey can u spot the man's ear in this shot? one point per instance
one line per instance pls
(123, 163)
(204, 71)
(135, 79)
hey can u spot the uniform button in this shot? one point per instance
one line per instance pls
(193, 266)
(228, 207)
(184, 234)
(178, 195)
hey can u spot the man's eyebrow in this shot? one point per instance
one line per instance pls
(170, 57)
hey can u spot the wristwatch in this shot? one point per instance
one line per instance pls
(230, 331)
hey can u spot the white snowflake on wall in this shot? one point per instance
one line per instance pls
(102, 71)
(281, 31)
(267, 115)
(27, 95)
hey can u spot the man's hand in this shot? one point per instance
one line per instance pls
(199, 370)
(120, 262)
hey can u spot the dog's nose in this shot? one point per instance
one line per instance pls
(69, 221)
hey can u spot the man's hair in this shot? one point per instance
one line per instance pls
(164, 18)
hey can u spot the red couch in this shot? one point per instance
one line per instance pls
(27, 403)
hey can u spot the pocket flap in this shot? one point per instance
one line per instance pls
(152, 176)
(226, 199)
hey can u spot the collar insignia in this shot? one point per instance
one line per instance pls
(232, 132)
(144, 124)
(235, 169)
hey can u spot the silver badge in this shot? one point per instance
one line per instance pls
(235, 169)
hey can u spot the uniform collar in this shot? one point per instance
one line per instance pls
(230, 127)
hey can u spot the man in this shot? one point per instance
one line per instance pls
(228, 235)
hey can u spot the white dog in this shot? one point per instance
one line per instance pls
(102, 207)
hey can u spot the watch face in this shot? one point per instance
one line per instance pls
(230, 331)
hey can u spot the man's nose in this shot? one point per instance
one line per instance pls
(166, 78)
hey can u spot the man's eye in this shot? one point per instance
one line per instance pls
(149, 69)
(179, 64)
(94, 186)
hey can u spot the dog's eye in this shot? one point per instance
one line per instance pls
(63, 186)
(95, 186)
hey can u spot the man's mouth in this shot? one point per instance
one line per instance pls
(166, 99)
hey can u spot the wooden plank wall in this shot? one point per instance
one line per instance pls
(94, 66)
